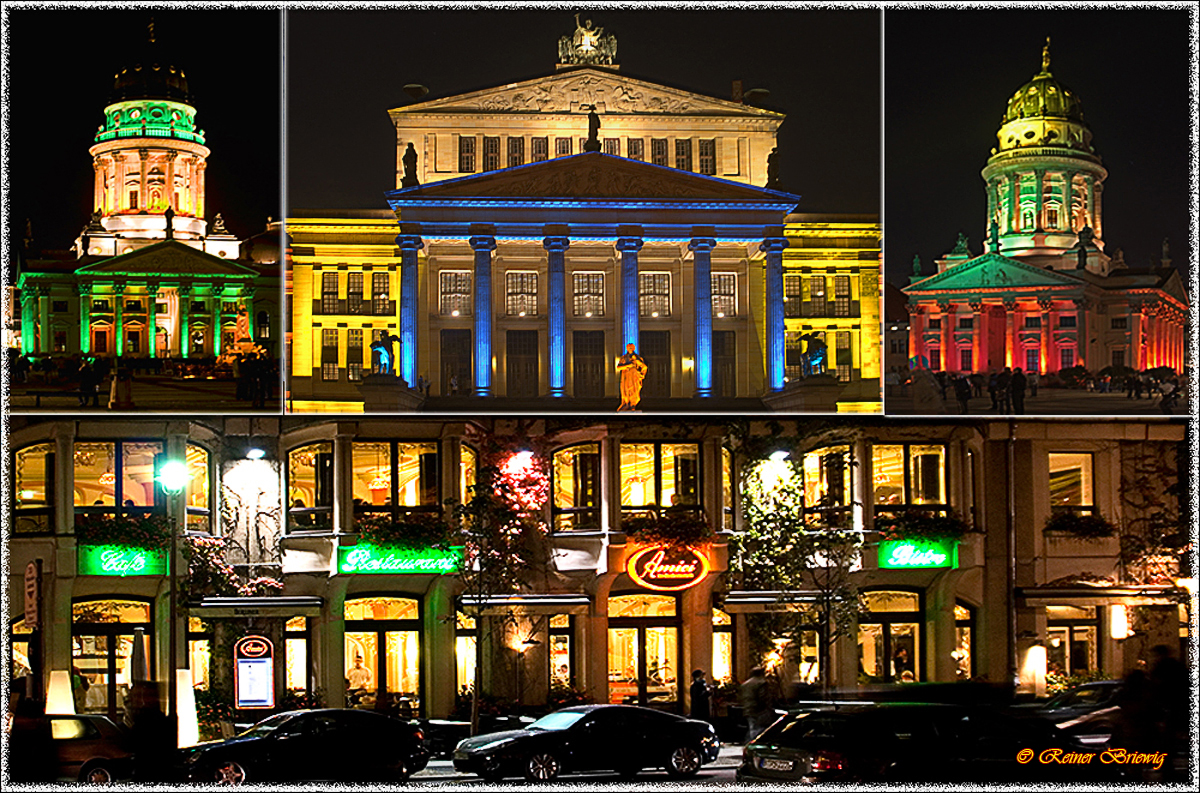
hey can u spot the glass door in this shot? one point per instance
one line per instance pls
(624, 666)
(661, 664)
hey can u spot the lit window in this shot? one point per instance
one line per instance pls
(657, 475)
(612, 146)
(562, 147)
(454, 293)
(727, 488)
(844, 360)
(354, 355)
(516, 152)
(908, 475)
(658, 151)
(724, 294)
(539, 149)
(1071, 484)
(707, 150)
(466, 154)
(562, 657)
(465, 638)
(793, 296)
(310, 487)
(654, 294)
(815, 299)
(199, 505)
(394, 478)
(636, 149)
(577, 487)
(827, 486)
(329, 293)
(683, 154)
(588, 292)
(116, 478)
(520, 293)
(33, 495)
(329, 354)
(380, 298)
(491, 153)
(296, 652)
(722, 655)
(468, 464)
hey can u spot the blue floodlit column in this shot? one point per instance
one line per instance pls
(556, 248)
(702, 270)
(629, 247)
(773, 248)
(483, 247)
(410, 246)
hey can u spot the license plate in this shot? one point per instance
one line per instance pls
(770, 764)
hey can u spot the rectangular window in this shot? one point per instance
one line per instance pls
(310, 487)
(491, 153)
(908, 475)
(133, 199)
(60, 341)
(965, 361)
(793, 356)
(841, 295)
(577, 488)
(1071, 485)
(636, 149)
(516, 151)
(539, 149)
(454, 293)
(793, 298)
(562, 147)
(329, 354)
(1033, 360)
(329, 293)
(683, 154)
(116, 478)
(659, 475)
(935, 359)
(1066, 358)
(816, 296)
(707, 151)
(1118, 358)
(520, 293)
(935, 324)
(1120, 323)
(33, 495)
(354, 354)
(354, 293)
(1066, 320)
(380, 300)
(59, 306)
(101, 307)
(588, 294)
(562, 657)
(966, 323)
(612, 146)
(658, 151)
(1033, 322)
(654, 294)
(827, 486)
(724, 294)
(466, 154)
(395, 478)
(845, 356)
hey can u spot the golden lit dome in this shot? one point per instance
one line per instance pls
(1043, 96)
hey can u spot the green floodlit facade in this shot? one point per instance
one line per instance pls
(150, 119)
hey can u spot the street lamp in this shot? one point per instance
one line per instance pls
(173, 478)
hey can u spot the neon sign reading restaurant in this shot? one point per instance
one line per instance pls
(119, 560)
(363, 558)
(667, 569)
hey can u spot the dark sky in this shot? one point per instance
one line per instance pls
(948, 78)
(61, 66)
(346, 69)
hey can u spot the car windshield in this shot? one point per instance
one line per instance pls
(1087, 695)
(557, 721)
(267, 726)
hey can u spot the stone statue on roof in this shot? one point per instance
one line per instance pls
(587, 45)
(961, 247)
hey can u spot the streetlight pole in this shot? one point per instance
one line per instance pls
(173, 478)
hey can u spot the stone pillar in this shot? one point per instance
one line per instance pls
(1090, 182)
(773, 247)
(1039, 178)
(1082, 331)
(216, 302)
(1045, 304)
(916, 331)
(410, 245)
(85, 317)
(152, 318)
(991, 208)
(171, 155)
(1137, 352)
(948, 310)
(629, 243)
(483, 245)
(1010, 332)
(28, 322)
(977, 345)
(342, 513)
(143, 195)
(184, 293)
(1014, 208)
(438, 644)
(118, 294)
(556, 249)
(199, 189)
(1097, 209)
(702, 248)
(97, 186)
(43, 310)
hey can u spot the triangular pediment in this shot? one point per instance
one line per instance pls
(1173, 285)
(594, 176)
(169, 258)
(992, 271)
(568, 91)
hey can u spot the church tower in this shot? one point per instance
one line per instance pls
(1044, 180)
(149, 160)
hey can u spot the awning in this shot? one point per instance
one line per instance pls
(529, 604)
(287, 607)
(1159, 595)
(756, 602)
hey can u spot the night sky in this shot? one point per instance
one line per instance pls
(61, 67)
(346, 69)
(948, 78)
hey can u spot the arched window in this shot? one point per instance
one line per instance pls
(199, 491)
(889, 638)
(644, 650)
(576, 503)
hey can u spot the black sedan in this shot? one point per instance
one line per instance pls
(85, 748)
(312, 745)
(1087, 712)
(620, 738)
(910, 742)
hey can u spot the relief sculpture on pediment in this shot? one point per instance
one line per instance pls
(568, 95)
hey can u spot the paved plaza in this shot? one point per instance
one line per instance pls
(1048, 402)
(150, 394)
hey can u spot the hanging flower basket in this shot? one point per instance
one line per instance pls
(679, 528)
(414, 531)
(922, 525)
(1066, 523)
(143, 531)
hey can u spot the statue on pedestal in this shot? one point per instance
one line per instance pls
(410, 168)
(815, 354)
(381, 350)
(632, 369)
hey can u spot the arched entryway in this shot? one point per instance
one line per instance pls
(103, 631)
(383, 653)
(644, 653)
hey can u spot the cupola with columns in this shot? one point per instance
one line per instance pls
(1044, 180)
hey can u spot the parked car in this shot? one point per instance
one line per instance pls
(84, 748)
(312, 745)
(442, 735)
(1087, 712)
(907, 742)
(620, 738)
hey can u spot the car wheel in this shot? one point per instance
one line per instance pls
(229, 772)
(541, 767)
(96, 774)
(683, 762)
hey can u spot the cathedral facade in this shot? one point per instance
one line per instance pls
(1046, 294)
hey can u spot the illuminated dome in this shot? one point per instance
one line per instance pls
(151, 77)
(1044, 113)
(1043, 96)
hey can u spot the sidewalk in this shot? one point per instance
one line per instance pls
(443, 770)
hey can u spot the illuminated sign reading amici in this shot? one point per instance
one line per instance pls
(667, 568)
(120, 560)
(365, 558)
(906, 554)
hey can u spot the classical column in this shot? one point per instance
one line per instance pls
(1136, 331)
(1014, 209)
(556, 262)
(483, 247)
(629, 245)
(28, 321)
(410, 245)
(98, 186)
(171, 155)
(143, 195)
(1098, 209)
(198, 190)
(118, 294)
(184, 294)
(216, 303)
(977, 349)
(1082, 332)
(916, 331)
(991, 206)
(947, 311)
(85, 317)
(1090, 181)
(773, 248)
(46, 335)
(1045, 304)
(1039, 177)
(152, 318)
(1010, 332)
(702, 248)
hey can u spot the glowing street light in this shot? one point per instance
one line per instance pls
(172, 476)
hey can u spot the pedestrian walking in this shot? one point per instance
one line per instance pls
(1017, 389)
(1033, 378)
(756, 703)
(453, 385)
(962, 391)
(1003, 395)
(701, 693)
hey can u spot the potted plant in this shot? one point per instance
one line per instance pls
(673, 527)
(1078, 525)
